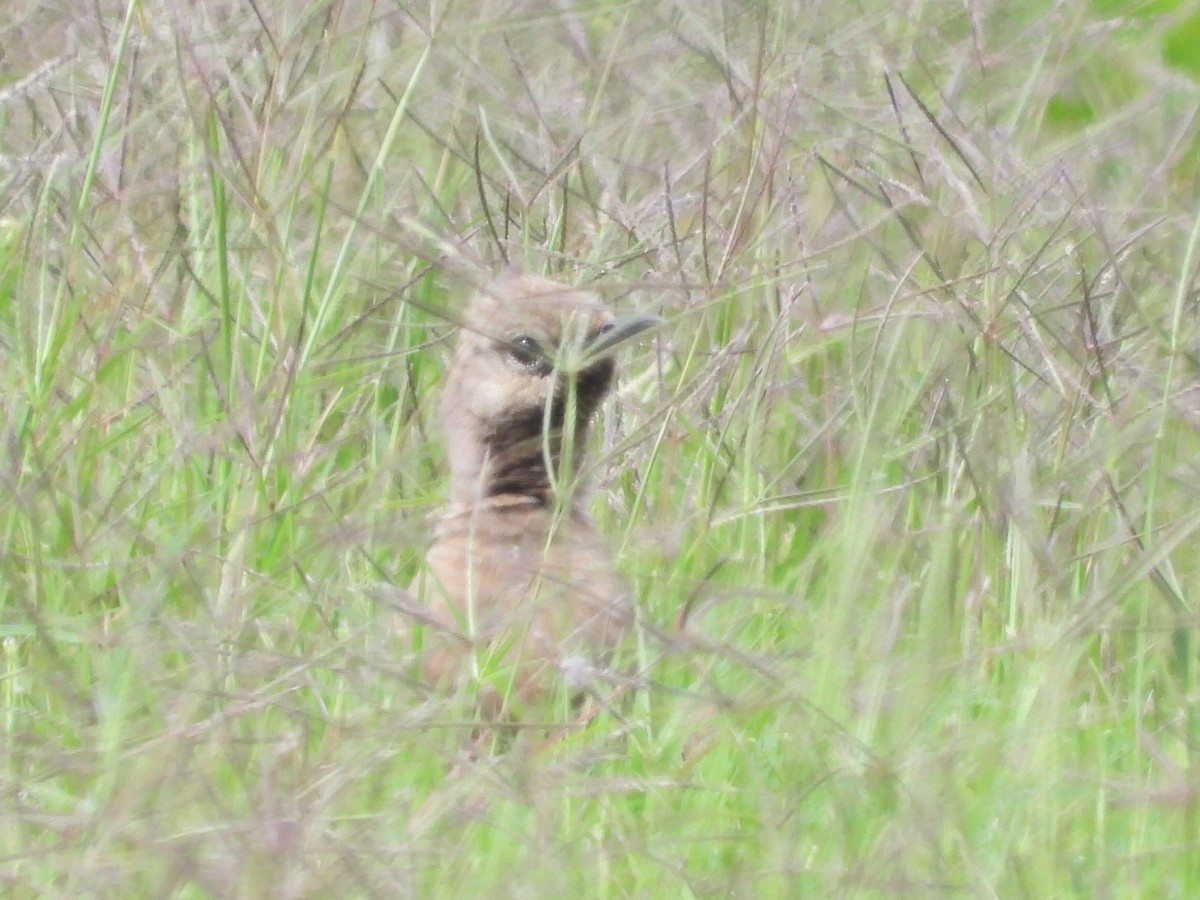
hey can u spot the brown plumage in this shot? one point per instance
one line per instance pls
(518, 583)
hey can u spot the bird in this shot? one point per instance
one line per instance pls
(519, 590)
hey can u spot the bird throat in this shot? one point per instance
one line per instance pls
(526, 445)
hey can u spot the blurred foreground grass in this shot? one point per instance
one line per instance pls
(907, 487)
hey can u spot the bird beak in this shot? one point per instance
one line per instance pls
(616, 333)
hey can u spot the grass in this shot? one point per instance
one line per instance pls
(906, 487)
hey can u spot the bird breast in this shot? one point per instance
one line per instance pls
(536, 587)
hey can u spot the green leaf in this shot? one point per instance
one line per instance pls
(1181, 46)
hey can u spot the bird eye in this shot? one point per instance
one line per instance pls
(527, 351)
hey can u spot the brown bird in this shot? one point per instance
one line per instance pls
(520, 589)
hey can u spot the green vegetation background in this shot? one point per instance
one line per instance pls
(907, 487)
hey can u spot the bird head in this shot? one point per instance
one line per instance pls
(533, 362)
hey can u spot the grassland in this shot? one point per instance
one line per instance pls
(907, 487)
